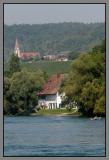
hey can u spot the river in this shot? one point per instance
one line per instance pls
(53, 136)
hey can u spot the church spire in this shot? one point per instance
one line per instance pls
(16, 44)
(17, 49)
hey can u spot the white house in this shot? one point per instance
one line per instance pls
(49, 97)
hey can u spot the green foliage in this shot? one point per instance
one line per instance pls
(99, 107)
(14, 64)
(85, 83)
(53, 38)
(20, 91)
(73, 55)
(6, 95)
(99, 48)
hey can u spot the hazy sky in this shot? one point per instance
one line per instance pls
(53, 13)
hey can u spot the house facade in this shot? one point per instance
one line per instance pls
(49, 97)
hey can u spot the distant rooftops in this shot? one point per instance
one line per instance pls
(29, 55)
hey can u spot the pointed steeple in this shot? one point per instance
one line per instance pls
(16, 44)
(17, 49)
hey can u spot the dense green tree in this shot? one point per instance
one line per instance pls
(21, 91)
(7, 95)
(73, 55)
(85, 83)
(14, 64)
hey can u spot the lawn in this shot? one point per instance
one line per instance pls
(51, 67)
(63, 111)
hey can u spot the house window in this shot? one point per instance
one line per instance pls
(43, 97)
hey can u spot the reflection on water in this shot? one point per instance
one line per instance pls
(53, 136)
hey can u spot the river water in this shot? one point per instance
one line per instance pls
(54, 136)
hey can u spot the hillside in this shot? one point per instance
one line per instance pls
(53, 38)
(49, 67)
(46, 66)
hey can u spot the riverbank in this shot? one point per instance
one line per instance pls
(60, 112)
(49, 112)
(56, 112)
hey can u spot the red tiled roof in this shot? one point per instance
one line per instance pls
(53, 84)
(27, 55)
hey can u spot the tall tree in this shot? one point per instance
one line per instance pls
(86, 82)
(21, 91)
(14, 64)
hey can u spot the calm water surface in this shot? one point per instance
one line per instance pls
(53, 136)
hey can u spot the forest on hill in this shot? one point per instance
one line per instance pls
(53, 38)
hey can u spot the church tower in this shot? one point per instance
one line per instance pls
(17, 49)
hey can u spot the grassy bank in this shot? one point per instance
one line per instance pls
(56, 112)
(51, 67)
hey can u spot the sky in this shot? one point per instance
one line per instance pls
(53, 13)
